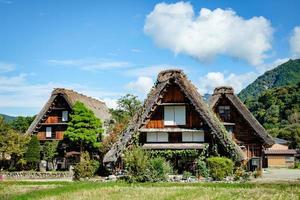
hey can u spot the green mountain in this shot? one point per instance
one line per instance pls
(278, 110)
(285, 74)
(8, 118)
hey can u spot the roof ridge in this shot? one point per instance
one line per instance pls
(63, 90)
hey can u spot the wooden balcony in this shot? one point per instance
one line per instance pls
(55, 120)
(58, 135)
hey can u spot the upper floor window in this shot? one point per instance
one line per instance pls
(174, 115)
(65, 116)
(48, 132)
(224, 113)
(193, 136)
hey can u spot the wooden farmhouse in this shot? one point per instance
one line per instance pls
(52, 120)
(175, 117)
(241, 125)
(279, 155)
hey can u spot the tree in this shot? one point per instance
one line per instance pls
(84, 128)
(49, 151)
(129, 104)
(12, 144)
(33, 153)
(21, 123)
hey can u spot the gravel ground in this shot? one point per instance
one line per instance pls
(281, 174)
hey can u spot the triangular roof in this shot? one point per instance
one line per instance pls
(98, 107)
(166, 78)
(228, 93)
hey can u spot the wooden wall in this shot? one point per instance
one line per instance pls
(175, 95)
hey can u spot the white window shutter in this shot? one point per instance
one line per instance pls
(180, 118)
(169, 115)
(187, 137)
(198, 136)
(48, 132)
(64, 116)
(151, 137)
(162, 137)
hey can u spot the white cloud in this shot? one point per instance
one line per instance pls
(17, 92)
(295, 42)
(90, 64)
(142, 85)
(214, 79)
(6, 67)
(212, 32)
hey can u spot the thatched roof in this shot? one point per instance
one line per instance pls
(98, 107)
(164, 80)
(228, 93)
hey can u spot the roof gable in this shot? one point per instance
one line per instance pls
(228, 93)
(98, 107)
(164, 80)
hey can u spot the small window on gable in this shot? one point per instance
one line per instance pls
(65, 116)
(48, 132)
(157, 137)
(224, 113)
(174, 115)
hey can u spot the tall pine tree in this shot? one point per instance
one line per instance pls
(84, 128)
(33, 153)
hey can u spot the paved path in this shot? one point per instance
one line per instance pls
(270, 175)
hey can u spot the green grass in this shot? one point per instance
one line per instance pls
(166, 191)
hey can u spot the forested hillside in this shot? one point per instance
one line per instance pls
(285, 74)
(8, 118)
(278, 110)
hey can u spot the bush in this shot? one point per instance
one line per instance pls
(186, 175)
(241, 175)
(159, 169)
(297, 165)
(86, 168)
(257, 173)
(220, 167)
(141, 168)
(202, 168)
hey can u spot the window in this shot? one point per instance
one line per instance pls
(157, 137)
(193, 136)
(229, 129)
(48, 132)
(64, 117)
(224, 112)
(289, 158)
(174, 115)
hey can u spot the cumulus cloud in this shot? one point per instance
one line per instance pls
(6, 67)
(142, 85)
(268, 66)
(214, 79)
(295, 42)
(89, 64)
(211, 33)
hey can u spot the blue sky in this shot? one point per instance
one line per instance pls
(106, 49)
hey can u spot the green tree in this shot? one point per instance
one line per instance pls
(11, 143)
(84, 128)
(21, 123)
(129, 104)
(33, 153)
(49, 151)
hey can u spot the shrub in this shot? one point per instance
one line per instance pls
(202, 168)
(137, 165)
(186, 175)
(241, 174)
(141, 168)
(86, 168)
(257, 173)
(220, 167)
(159, 169)
(297, 165)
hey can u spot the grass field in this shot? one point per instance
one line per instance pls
(167, 191)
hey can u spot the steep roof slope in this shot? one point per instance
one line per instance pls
(98, 107)
(166, 78)
(228, 93)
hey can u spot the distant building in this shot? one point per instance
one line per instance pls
(279, 155)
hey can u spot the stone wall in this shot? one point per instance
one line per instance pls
(35, 175)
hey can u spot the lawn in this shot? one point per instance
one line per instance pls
(90, 190)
